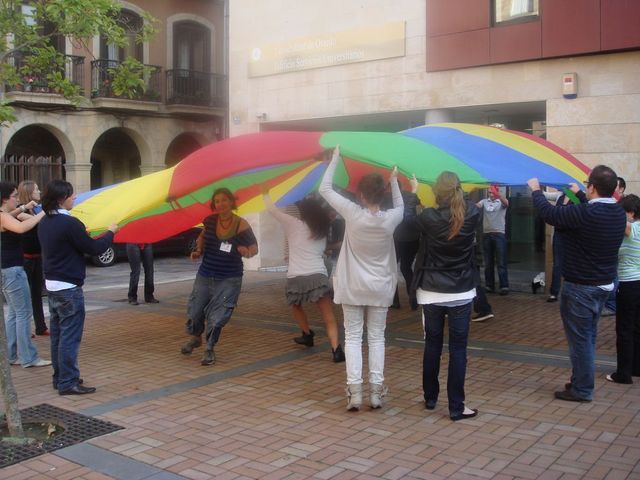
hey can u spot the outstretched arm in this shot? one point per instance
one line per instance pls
(396, 194)
(90, 246)
(280, 216)
(496, 192)
(340, 204)
(563, 217)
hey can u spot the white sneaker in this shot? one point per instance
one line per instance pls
(38, 363)
(481, 318)
(15, 362)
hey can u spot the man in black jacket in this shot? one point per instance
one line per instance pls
(593, 233)
(64, 242)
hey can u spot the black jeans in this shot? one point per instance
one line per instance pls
(628, 330)
(136, 255)
(556, 275)
(480, 303)
(33, 269)
(406, 253)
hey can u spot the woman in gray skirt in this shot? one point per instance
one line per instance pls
(307, 279)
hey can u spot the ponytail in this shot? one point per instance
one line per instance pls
(457, 208)
(448, 191)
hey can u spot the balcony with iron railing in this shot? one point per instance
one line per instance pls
(32, 82)
(104, 95)
(197, 89)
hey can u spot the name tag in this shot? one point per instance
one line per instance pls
(225, 247)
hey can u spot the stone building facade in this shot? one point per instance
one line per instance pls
(324, 66)
(108, 139)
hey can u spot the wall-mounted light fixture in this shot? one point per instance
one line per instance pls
(262, 116)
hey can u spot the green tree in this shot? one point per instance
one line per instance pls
(27, 28)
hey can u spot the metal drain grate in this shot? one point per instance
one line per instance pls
(77, 429)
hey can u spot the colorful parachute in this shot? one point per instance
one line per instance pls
(164, 203)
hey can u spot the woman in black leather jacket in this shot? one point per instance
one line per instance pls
(445, 281)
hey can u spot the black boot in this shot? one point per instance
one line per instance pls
(338, 354)
(209, 358)
(305, 339)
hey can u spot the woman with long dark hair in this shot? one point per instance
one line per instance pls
(29, 198)
(15, 286)
(225, 240)
(307, 279)
(366, 275)
(445, 280)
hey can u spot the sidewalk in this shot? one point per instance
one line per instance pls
(271, 409)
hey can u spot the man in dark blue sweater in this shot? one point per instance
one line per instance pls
(593, 233)
(64, 242)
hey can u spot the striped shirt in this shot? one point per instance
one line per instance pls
(592, 234)
(221, 258)
(629, 256)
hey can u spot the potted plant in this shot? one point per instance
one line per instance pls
(40, 86)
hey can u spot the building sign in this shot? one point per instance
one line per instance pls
(350, 46)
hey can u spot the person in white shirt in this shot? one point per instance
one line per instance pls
(307, 279)
(494, 240)
(366, 275)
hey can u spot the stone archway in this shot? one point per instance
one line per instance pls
(115, 158)
(180, 147)
(36, 152)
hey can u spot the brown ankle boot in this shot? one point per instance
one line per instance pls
(194, 342)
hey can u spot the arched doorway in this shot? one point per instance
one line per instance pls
(33, 153)
(115, 158)
(181, 146)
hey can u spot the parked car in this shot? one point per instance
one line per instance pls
(182, 243)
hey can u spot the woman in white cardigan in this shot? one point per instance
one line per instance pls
(366, 275)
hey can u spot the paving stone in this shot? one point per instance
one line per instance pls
(270, 409)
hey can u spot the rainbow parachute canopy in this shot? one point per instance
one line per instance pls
(164, 203)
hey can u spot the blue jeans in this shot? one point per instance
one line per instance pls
(18, 320)
(136, 256)
(459, 318)
(610, 303)
(66, 323)
(580, 309)
(494, 248)
(213, 300)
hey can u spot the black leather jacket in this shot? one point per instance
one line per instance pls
(446, 266)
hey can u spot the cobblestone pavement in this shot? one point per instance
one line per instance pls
(272, 409)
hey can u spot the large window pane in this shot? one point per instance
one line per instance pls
(132, 24)
(515, 10)
(191, 47)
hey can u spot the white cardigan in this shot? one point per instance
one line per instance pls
(367, 271)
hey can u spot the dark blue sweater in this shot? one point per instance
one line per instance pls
(592, 234)
(64, 241)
